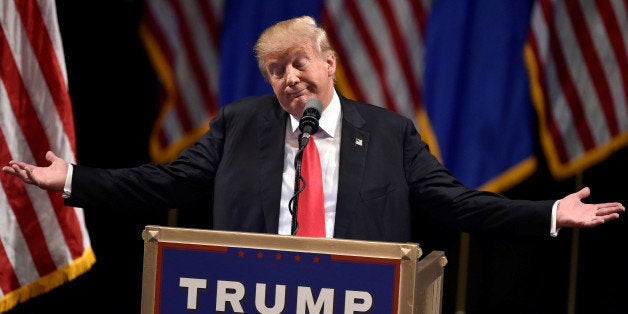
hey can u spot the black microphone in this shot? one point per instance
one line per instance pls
(311, 113)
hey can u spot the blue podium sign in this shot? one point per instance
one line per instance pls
(205, 271)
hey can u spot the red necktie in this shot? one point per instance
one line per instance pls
(311, 211)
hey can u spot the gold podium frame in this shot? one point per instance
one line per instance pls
(420, 284)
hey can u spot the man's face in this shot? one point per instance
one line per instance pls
(299, 74)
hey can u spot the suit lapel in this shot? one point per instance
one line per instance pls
(353, 151)
(271, 137)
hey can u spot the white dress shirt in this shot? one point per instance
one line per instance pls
(328, 142)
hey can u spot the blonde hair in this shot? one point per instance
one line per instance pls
(286, 34)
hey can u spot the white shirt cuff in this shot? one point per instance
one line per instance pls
(67, 188)
(553, 229)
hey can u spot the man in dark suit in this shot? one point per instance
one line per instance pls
(378, 173)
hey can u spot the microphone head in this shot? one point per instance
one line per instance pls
(313, 104)
(311, 114)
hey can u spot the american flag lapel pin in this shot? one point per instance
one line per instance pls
(358, 142)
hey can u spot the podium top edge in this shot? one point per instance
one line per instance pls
(377, 249)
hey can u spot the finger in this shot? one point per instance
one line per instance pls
(7, 169)
(25, 173)
(17, 171)
(20, 164)
(608, 208)
(50, 156)
(612, 204)
(609, 217)
(584, 192)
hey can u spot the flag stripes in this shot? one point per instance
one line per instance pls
(380, 45)
(182, 40)
(578, 61)
(42, 242)
(371, 40)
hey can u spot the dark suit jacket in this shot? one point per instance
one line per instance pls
(384, 183)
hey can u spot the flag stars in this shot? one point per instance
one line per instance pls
(260, 255)
(316, 259)
(278, 256)
(241, 253)
(297, 258)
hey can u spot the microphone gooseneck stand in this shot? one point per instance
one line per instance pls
(308, 126)
(299, 182)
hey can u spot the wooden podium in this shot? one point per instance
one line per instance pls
(207, 271)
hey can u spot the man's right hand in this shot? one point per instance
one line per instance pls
(49, 178)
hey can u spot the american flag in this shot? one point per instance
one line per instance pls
(182, 40)
(577, 54)
(380, 45)
(43, 243)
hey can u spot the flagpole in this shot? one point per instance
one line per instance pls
(573, 265)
